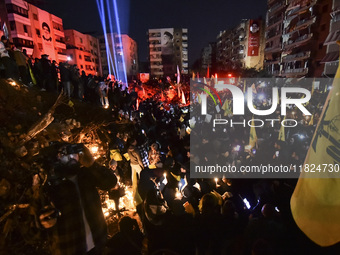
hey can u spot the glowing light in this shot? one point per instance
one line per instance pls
(13, 83)
(101, 10)
(69, 58)
(261, 97)
(119, 38)
(216, 180)
(165, 180)
(178, 194)
(246, 203)
(94, 149)
(230, 75)
(112, 42)
(126, 202)
(301, 136)
(237, 148)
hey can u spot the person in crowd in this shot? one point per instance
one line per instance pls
(135, 163)
(154, 156)
(65, 77)
(54, 77)
(3, 54)
(6, 42)
(79, 226)
(75, 80)
(128, 240)
(21, 61)
(45, 72)
(8, 65)
(103, 93)
(37, 71)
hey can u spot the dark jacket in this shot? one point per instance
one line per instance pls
(69, 232)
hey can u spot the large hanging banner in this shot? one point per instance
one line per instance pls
(254, 37)
(167, 55)
(46, 32)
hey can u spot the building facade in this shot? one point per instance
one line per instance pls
(168, 48)
(241, 47)
(119, 56)
(273, 36)
(33, 29)
(208, 59)
(83, 51)
(295, 34)
(331, 60)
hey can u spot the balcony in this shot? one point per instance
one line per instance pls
(58, 32)
(299, 41)
(276, 8)
(275, 48)
(272, 37)
(272, 61)
(299, 9)
(294, 72)
(62, 56)
(12, 8)
(302, 24)
(275, 72)
(305, 23)
(60, 45)
(274, 22)
(296, 57)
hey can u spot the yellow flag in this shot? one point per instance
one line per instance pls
(282, 135)
(311, 122)
(199, 98)
(315, 203)
(70, 103)
(244, 86)
(226, 108)
(252, 135)
(313, 87)
(115, 154)
(34, 81)
(177, 177)
(225, 105)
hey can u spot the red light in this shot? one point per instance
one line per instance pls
(230, 75)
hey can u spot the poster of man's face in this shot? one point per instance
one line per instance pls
(254, 28)
(167, 37)
(46, 32)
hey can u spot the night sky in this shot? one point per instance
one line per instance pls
(203, 18)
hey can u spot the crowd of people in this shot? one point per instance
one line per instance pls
(210, 216)
(179, 214)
